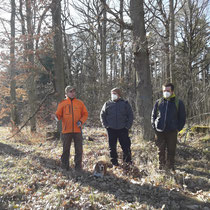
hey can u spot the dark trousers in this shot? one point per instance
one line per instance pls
(166, 142)
(125, 143)
(67, 139)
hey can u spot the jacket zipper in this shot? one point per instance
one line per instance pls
(116, 113)
(165, 115)
(72, 115)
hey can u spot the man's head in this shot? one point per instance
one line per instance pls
(168, 90)
(116, 94)
(70, 91)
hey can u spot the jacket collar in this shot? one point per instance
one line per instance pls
(171, 98)
(120, 99)
(69, 99)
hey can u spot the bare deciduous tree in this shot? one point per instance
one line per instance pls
(141, 64)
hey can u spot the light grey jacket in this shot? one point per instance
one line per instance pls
(116, 114)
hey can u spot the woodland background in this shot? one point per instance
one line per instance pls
(97, 45)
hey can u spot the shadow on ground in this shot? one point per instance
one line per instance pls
(127, 191)
(6, 149)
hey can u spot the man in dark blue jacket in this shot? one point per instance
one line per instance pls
(168, 117)
(117, 117)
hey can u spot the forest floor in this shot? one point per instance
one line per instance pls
(31, 176)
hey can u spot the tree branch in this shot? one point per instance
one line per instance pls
(43, 100)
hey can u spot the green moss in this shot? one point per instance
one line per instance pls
(200, 128)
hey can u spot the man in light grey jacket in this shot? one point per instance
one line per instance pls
(117, 117)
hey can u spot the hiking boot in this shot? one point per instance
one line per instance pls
(162, 167)
(172, 168)
(128, 162)
(115, 164)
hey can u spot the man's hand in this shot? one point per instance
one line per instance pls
(79, 123)
(54, 117)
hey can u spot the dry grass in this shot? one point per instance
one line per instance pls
(31, 177)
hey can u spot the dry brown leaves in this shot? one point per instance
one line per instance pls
(31, 176)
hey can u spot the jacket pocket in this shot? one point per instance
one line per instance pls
(67, 109)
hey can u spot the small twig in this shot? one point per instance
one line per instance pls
(208, 113)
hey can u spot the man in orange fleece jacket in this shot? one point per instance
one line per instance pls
(73, 114)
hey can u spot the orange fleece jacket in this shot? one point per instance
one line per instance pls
(70, 111)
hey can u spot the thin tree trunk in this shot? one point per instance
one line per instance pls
(68, 59)
(190, 69)
(103, 43)
(30, 80)
(167, 51)
(14, 117)
(58, 50)
(122, 47)
(172, 45)
(141, 64)
(111, 67)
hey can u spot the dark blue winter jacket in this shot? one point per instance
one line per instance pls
(116, 114)
(166, 117)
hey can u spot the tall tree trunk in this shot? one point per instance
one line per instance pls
(166, 23)
(141, 64)
(111, 67)
(172, 45)
(14, 117)
(68, 58)
(103, 43)
(58, 50)
(189, 32)
(30, 55)
(122, 47)
(167, 54)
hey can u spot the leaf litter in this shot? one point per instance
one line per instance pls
(31, 176)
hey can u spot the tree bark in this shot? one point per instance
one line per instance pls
(30, 55)
(58, 50)
(103, 43)
(172, 45)
(14, 117)
(141, 65)
(122, 47)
